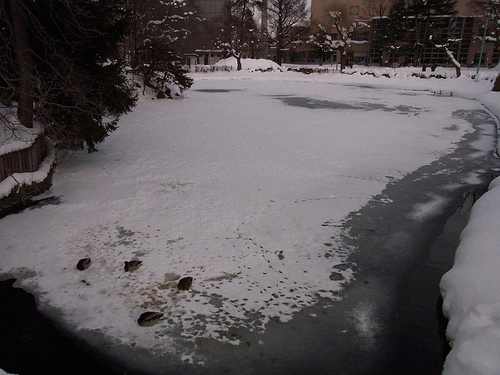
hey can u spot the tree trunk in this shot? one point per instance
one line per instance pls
(25, 93)
(132, 36)
(279, 54)
(238, 63)
(496, 85)
(265, 29)
(416, 52)
(455, 63)
(342, 59)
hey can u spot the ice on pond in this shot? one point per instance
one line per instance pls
(246, 195)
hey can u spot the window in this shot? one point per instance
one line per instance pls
(361, 36)
(211, 9)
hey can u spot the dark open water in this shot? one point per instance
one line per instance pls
(31, 344)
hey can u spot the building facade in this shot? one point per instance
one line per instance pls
(463, 28)
(200, 48)
(211, 9)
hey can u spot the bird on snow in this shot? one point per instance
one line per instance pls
(83, 264)
(132, 265)
(185, 283)
(149, 318)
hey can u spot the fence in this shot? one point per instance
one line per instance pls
(25, 160)
(212, 68)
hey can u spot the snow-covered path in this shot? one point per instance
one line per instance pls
(243, 186)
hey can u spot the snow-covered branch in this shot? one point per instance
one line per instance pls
(445, 47)
(340, 39)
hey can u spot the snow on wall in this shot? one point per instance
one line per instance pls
(15, 137)
(16, 180)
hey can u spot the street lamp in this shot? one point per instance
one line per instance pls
(482, 44)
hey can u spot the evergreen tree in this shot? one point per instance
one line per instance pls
(420, 13)
(323, 43)
(396, 29)
(158, 30)
(77, 81)
(159, 65)
(377, 11)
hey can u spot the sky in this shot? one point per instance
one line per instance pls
(228, 186)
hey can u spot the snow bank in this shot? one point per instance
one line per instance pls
(471, 289)
(252, 64)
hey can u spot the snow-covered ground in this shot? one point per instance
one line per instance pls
(232, 186)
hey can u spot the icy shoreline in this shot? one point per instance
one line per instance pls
(470, 289)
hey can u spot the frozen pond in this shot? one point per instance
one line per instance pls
(298, 209)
